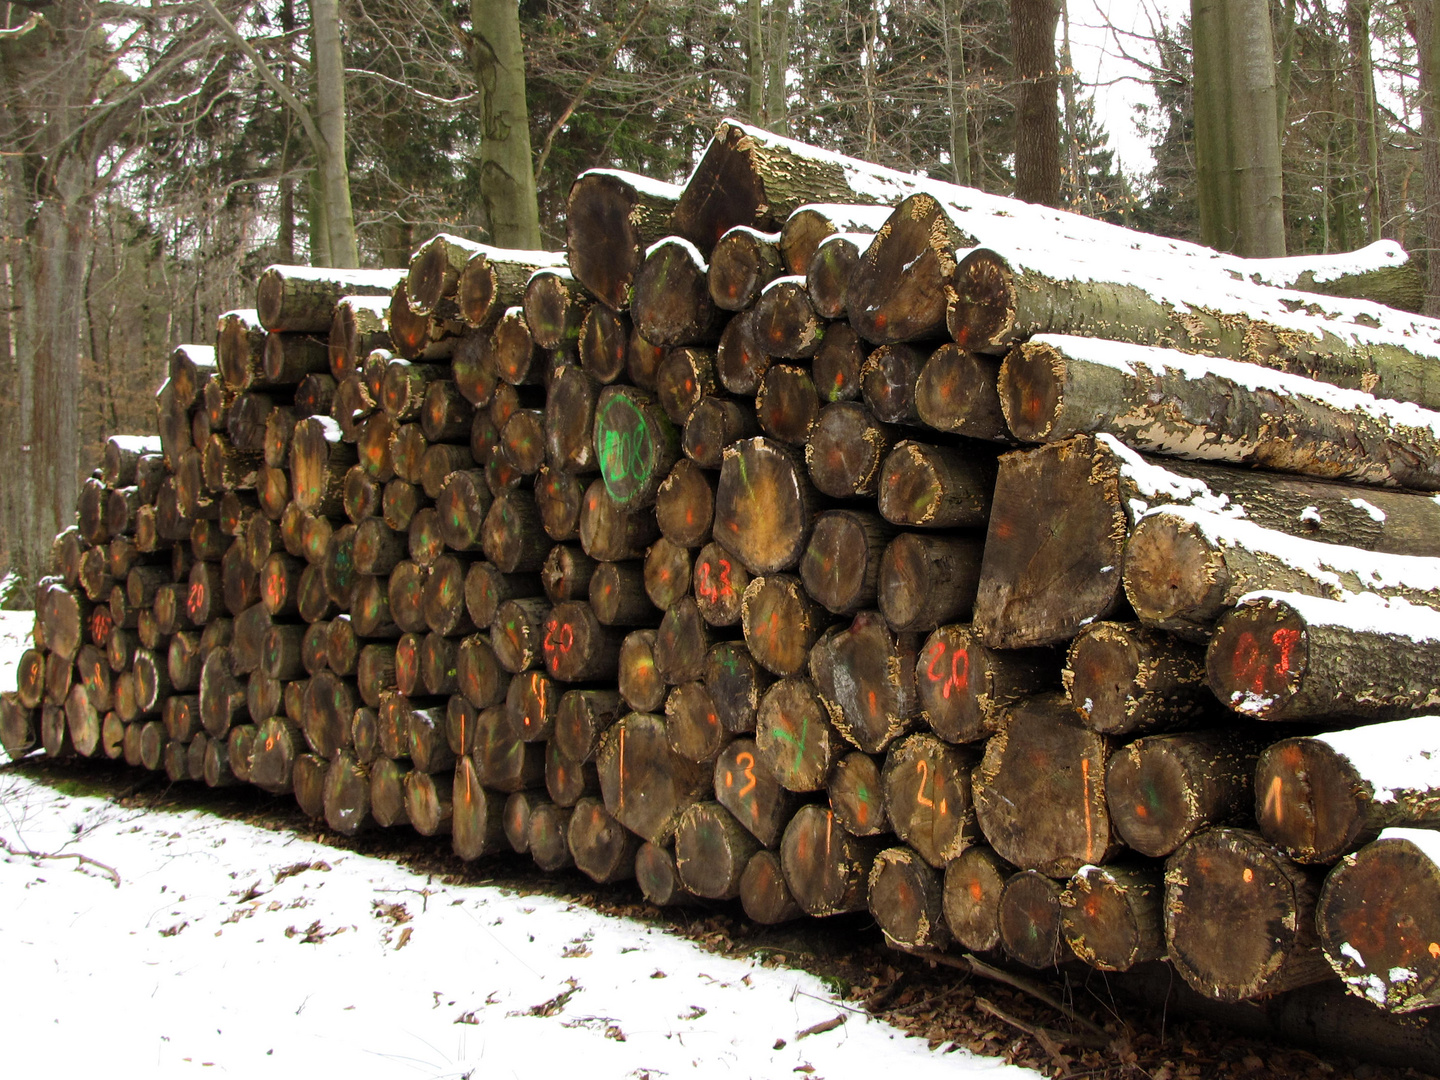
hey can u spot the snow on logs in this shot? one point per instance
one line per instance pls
(690, 555)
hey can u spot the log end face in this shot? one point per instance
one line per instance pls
(1032, 392)
(980, 309)
(1258, 658)
(1232, 914)
(270, 298)
(1378, 924)
(1175, 578)
(1309, 800)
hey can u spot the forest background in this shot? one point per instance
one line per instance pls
(155, 155)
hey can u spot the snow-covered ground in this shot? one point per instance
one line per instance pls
(230, 947)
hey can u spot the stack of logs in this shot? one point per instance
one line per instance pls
(707, 553)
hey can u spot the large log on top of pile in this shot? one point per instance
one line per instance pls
(996, 304)
(303, 298)
(1186, 405)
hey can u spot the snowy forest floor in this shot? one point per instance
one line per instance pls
(218, 929)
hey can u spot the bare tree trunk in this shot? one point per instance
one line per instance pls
(330, 118)
(754, 63)
(1037, 113)
(507, 179)
(957, 94)
(1427, 37)
(1357, 22)
(778, 59)
(1237, 139)
(49, 209)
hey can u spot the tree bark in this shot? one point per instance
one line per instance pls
(1037, 108)
(507, 179)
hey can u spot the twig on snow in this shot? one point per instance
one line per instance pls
(84, 860)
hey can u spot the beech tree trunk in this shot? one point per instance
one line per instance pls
(507, 180)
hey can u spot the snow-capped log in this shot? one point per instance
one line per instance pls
(786, 323)
(1185, 567)
(1240, 916)
(809, 227)
(1379, 916)
(898, 290)
(672, 304)
(555, 307)
(239, 350)
(743, 262)
(1125, 678)
(1181, 404)
(1381, 272)
(415, 336)
(318, 463)
(966, 689)
(973, 882)
(1288, 656)
(747, 176)
(825, 867)
(907, 899)
(611, 217)
(995, 304)
(357, 330)
(191, 367)
(1040, 790)
(433, 275)
(1111, 916)
(1320, 796)
(1070, 507)
(494, 280)
(303, 298)
(1030, 920)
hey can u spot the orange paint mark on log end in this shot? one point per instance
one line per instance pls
(1248, 875)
